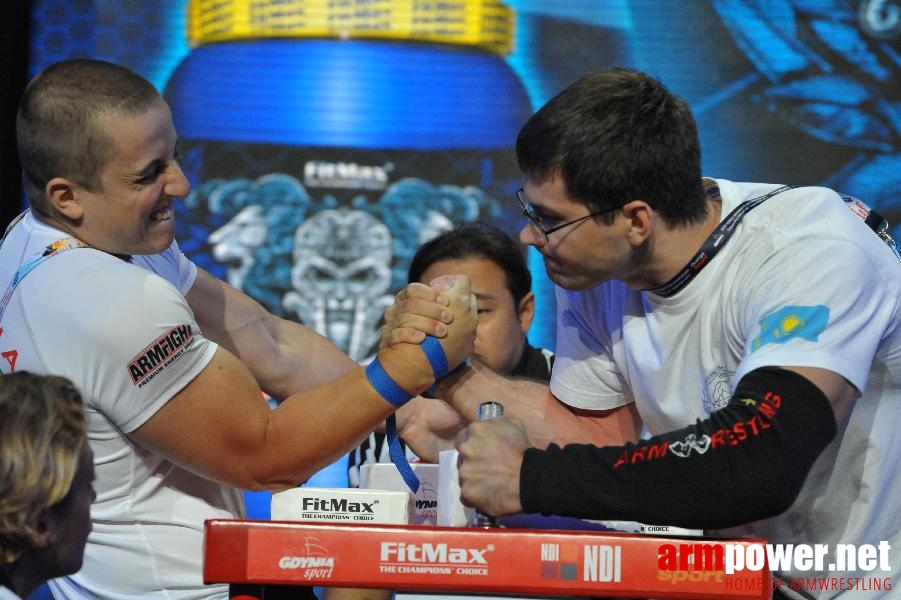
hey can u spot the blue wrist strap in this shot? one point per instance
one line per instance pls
(433, 391)
(435, 353)
(396, 396)
(438, 359)
(385, 386)
(398, 457)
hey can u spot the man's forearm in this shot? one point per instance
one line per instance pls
(303, 360)
(283, 356)
(763, 444)
(532, 404)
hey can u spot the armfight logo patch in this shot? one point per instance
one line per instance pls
(160, 354)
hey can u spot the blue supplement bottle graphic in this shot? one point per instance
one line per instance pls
(326, 140)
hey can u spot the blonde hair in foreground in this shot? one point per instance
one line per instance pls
(42, 432)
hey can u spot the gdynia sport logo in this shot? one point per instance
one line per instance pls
(816, 566)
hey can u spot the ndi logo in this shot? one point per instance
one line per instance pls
(317, 173)
(601, 563)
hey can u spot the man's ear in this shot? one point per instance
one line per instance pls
(640, 216)
(43, 531)
(62, 195)
(526, 312)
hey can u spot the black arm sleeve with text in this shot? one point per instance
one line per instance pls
(745, 462)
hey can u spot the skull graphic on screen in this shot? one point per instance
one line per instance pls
(341, 276)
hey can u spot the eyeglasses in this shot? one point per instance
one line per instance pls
(537, 222)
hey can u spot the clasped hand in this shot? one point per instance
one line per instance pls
(446, 310)
(490, 457)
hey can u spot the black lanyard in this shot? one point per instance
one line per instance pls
(714, 244)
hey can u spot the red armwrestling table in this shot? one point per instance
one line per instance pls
(250, 555)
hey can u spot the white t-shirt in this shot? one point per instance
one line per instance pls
(124, 334)
(8, 594)
(802, 282)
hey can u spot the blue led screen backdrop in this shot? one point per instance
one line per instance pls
(319, 164)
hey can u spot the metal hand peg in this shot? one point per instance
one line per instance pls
(487, 410)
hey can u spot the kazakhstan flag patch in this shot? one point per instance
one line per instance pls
(790, 322)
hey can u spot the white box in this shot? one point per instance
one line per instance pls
(339, 505)
(452, 513)
(423, 505)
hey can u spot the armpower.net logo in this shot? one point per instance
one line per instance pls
(837, 569)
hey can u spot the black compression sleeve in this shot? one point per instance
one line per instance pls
(747, 461)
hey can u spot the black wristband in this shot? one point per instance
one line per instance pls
(745, 462)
